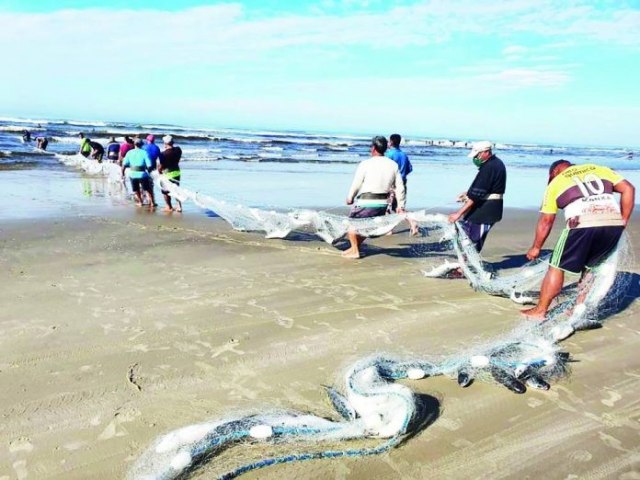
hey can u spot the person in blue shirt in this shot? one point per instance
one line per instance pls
(405, 168)
(154, 152)
(139, 165)
(113, 149)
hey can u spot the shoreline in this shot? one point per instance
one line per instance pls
(120, 328)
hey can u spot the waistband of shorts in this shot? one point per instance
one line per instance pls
(366, 203)
(595, 220)
(373, 196)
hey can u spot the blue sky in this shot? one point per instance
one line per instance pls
(519, 70)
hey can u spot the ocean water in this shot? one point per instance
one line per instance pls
(269, 169)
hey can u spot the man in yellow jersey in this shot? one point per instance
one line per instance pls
(594, 225)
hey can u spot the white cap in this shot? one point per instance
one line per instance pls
(167, 139)
(479, 147)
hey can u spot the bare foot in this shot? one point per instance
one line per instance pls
(167, 209)
(138, 204)
(179, 209)
(534, 313)
(414, 231)
(351, 255)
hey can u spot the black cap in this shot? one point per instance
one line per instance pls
(555, 164)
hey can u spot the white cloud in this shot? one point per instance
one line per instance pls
(526, 77)
(220, 33)
(123, 53)
(514, 50)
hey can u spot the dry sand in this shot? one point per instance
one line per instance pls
(114, 330)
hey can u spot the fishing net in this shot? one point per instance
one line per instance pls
(371, 405)
(374, 413)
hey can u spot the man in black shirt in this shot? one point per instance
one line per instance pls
(483, 202)
(169, 165)
(97, 151)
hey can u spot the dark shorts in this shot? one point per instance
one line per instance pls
(477, 232)
(145, 183)
(582, 248)
(367, 212)
(113, 156)
(175, 181)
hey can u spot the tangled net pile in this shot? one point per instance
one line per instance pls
(370, 406)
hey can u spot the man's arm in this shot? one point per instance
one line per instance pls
(477, 192)
(160, 160)
(545, 224)
(627, 199)
(454, 217)
(147, 161)
(400, 192)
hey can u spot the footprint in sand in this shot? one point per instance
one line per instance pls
(580, 456)
(613, 398)
(73, 446)
(20, 468)
(283, 321)
(21, 444)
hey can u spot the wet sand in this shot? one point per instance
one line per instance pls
(117, 329)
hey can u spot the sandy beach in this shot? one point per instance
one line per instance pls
(116, 329)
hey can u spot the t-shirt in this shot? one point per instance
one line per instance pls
(112, 150)
(154, 152)
(125, 148)
(380, 175)
(170, 159)
(490, 179)
(585, 193)
(404, 165)
(138, 162)
(97, 147)
(85, 145)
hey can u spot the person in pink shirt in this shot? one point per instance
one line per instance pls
(125, 147)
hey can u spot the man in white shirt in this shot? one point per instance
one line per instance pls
(374, 180)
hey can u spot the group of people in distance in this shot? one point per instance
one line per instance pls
(594, 219)
(141, 159)
(41, 141)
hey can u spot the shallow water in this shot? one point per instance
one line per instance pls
(269, 169)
